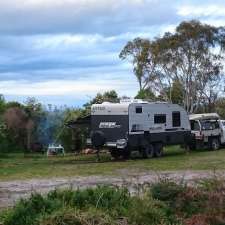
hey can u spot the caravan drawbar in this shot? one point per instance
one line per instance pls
(131, 125)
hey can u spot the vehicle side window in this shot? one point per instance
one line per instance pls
(195, 125)
(176, 119)
(138, 109)
(159, 118)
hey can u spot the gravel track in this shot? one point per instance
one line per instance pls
(11, 191)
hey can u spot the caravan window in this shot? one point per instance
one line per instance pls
(159, 118)
(139, 109)
(176, 119)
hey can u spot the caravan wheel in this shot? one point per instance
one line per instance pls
(147, 151)
(158, 149)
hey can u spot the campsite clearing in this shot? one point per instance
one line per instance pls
(17, 166)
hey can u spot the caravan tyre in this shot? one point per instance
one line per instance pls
(147, 151)
(97, 139)
(158, 149)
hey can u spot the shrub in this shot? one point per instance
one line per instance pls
(214, 183)
(166, 190)
(77, 217)
(198, 219)
(204, 219)
(190, 202)
(146, 211)
(26, 212)
(102, 197)
(114, 201)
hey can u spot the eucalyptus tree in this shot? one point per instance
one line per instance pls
(140, 54)
(192, 56)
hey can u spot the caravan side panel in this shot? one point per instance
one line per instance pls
(158, 122)
(111, 119)
(114, 127)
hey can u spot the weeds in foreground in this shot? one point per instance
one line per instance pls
(162, 203)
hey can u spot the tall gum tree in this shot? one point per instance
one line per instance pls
(139, 53)
(192, 56)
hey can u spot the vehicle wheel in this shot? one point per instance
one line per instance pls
(126, 153)
(158, 149)
(200, 145)
(147, 151)
(115, 154)
(215, 144)
(192, 146)
(97, 139)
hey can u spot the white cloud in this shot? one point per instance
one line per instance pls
(214, 22)
(213, 14)
(82, 16)
(67, 87)
(201, 10)
(77, 3)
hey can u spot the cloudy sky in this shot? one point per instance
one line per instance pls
(65, 51)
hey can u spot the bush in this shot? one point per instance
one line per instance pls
(76, 217)
(165, 203)
(166, 190)
(114, 201)
(190, 202)
(147, 211)
(27, 212)
(102, 197)
(212, 184)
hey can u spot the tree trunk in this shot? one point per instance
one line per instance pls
(29, 139)
(140, 84)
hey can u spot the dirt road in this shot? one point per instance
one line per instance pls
(11, 191)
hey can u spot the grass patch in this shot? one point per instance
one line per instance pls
(19, 166)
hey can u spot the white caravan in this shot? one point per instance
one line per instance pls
(132, 125)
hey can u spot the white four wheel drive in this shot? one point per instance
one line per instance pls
(208, 131)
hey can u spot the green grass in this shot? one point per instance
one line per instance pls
(17, 166)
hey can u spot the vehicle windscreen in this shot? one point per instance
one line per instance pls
(209, 125)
